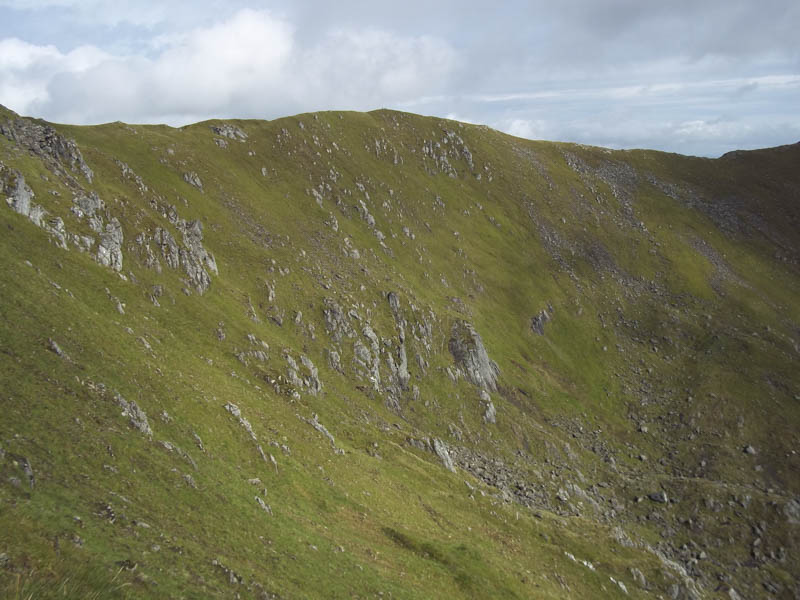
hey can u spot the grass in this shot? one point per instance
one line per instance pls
(637, 327)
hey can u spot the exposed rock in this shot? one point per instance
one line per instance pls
(537, 322)
(234, 410)
(20, 199)
(128, 173)
(398, 363)
(18, 192)
(192, 257)
(312, 382)
(370, 359)
(136, 415)
(336, 323)
(229, 131)
(490, 416)
(659, 496)
(57, 151)
(264, 506)
(470, 355)
(314, 422)
(193, 178)
(55, 348)
(109, 252)
(394, 304)
(443, 452)
(792, 510)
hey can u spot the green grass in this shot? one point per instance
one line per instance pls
(639, 323)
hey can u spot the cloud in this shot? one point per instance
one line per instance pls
(248, 65)
(620, 73)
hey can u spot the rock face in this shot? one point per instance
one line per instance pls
(135, 415)
(19, 194)
(192, 257)
(45, 142)
(537, 322)
(443, 452)
(229, 131)
(109, 253)
(193, 178)
(471, 357)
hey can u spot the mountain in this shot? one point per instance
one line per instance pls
(385, 355)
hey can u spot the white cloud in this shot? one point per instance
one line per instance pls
(247, 65)
(526, 128)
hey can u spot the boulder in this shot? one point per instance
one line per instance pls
(471, 357)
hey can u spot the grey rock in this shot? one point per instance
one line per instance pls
(18, 192)
(314, 422)
(490, 416)
(394, 303)
(537, 322)
(336, 323)
(87, 205)
(234, 410)
(45, 142)
(264, 506)
(659, 496)
(135, 414)
(229, 131)
(55, 348)
(792, 510)
(312, 381)
(470, 355)
(334, 360)
(193, 178)
(749, 449)
(192, 257)
(109, 251)
(443, 452)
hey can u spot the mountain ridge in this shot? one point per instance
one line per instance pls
(297, 320)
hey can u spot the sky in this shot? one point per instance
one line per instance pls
(698, 77)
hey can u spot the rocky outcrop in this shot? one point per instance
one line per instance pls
(537, 322)
(229, 131)
(191, 257)
(193, 178)
(109, 252)
(443, 452)
(471, 357)
(308, 380)
(58, 152)
(19, 197)
(136, 416)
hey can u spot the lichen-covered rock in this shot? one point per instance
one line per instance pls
(336, 323)
(18, 192)
(57, 151)
(537, 322)
(87, 205)
(109, 252)
(135, 414)
(443, 452)
(192, 257)
(193, 178)
(229, 131)
(471, 357)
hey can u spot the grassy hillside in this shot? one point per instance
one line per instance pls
(235, 364)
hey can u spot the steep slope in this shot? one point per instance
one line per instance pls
(360, 355)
